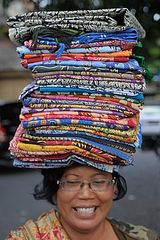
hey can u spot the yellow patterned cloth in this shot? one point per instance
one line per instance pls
(48, 227)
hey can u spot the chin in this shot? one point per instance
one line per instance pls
(87, 225)
(85, 228)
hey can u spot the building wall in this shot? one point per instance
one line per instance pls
(12, 83)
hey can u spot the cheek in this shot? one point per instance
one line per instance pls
(107, 199)
(108, 196)
(106, 203)
(63, 200)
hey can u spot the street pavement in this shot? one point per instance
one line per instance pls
(141, 205)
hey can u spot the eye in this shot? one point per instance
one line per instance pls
(99, 182)
(72, 182)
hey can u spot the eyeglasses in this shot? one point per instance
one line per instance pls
(96, 185)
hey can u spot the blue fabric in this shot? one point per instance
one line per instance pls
(132, 64)
(103, 49)
(24, 50)
(67, 162)
(129, 35)
(67, 121)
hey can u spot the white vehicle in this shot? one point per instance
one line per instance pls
(150, 123)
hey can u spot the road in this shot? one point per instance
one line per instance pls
(140, 206)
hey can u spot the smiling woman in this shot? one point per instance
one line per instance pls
(82, 197)
(80, 119)
(84, 210)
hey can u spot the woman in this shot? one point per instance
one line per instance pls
(80, 116)
(82, 197)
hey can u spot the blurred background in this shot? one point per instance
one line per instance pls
(142, 203)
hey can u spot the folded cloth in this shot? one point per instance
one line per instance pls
(43, 43)
(106, 20)
(89, 70)
(123, 135)
(24, 51)
(123, 53)
(77, 74)
(130, 34)
(35, 105)
(133, 102)
(123, 44)
(99, 84)
(72, 159)
(132, 64)
(32, 87)
(25, 62)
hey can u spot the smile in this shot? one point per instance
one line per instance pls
(85, 210)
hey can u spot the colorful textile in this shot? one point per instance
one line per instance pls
(44, 44)
(132, 64)
(84, 102)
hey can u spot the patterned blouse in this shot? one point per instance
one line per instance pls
(48, 227)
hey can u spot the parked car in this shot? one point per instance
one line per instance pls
(150, 123)
(9, 121)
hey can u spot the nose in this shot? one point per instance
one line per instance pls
(83, 184)
(85, 190)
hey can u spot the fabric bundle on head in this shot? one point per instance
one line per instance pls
(84, 102)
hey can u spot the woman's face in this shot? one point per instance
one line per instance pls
(84, 210)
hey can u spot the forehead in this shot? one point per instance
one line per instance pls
(84, 171)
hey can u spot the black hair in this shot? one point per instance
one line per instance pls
(121, 186)
(49, 187)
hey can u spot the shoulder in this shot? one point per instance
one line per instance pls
(137, 232)
(46, 218)
(31, 229)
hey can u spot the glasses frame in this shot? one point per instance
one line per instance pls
(109, 182)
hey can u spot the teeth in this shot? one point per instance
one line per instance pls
(85, 210)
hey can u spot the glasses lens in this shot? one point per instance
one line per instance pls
(101, 185)
(69, 185)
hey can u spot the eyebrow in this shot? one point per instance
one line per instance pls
(100, 174)
(94, 175)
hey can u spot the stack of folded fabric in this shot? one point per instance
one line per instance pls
(84, 102)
